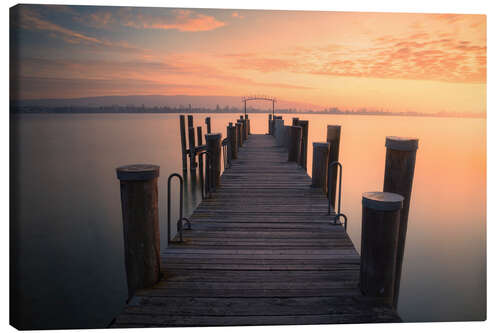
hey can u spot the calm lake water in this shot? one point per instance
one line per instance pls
(70, 266)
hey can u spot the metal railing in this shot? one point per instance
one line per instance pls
(336, 215)
(180, 221)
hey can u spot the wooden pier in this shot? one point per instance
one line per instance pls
(261, 251)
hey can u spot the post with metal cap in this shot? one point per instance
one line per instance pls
(320, 165)
(400, 160)
(213, 141)
(141, 234)
(295, 143)
(234, 141)
(333, 137)
(379, 243)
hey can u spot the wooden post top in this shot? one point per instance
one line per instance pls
(321, 145)
(333, 132)
(382, 201)
(138, 172)
(401, 143)
(212, 136)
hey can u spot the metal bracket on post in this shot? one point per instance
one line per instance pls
(336, 215)
(180, 226)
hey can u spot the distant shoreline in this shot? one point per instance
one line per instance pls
(139, 110)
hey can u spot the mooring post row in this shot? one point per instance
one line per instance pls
(400, 161)
(320, 165)
(333, 138)
(141, 232)
(379, 242)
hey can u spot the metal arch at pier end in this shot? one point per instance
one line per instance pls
(245, 99)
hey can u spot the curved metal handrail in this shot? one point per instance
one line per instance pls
(181, 204)
(337, 215)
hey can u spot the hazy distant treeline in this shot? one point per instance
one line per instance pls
(166, 109)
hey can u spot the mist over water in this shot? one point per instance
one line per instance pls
(69, 240)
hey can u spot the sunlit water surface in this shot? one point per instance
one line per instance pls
(69, 240)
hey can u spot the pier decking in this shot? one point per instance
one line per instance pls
(262, 251)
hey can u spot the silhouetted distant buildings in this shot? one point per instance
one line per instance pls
(226, 109)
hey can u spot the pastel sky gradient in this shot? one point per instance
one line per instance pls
(390, 61)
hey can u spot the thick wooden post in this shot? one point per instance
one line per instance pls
(190, 120)
(303, 151)
(320, 165)
(243, 128)
(192, 145)
(269, 125)
(333, 138)
(239, 135)
(295, 121)
(182, 122)
(295, 143)
(209, 126)
(234, 141)
(248, 124)
(379, 243)
(401, 154)
(200, 157)
(141, 234)
(214, 147)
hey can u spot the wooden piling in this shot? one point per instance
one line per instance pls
(200, 157)
(209, 126)
(141, 234)
(192, 145)
(295, 143)
(248, 124)
(234, 141)
(320, 165)
(379, 243)
(295, 121)
(190, 120)
(333, 138)
(303, 150)
(182, 122)
(239, 135)
(213, 141)
(269, 124)
(400, 160)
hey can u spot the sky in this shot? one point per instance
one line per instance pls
(391, 61)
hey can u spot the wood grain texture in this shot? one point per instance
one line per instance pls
(261, 251)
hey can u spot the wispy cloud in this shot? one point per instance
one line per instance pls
(183, 20)
(29, 19)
